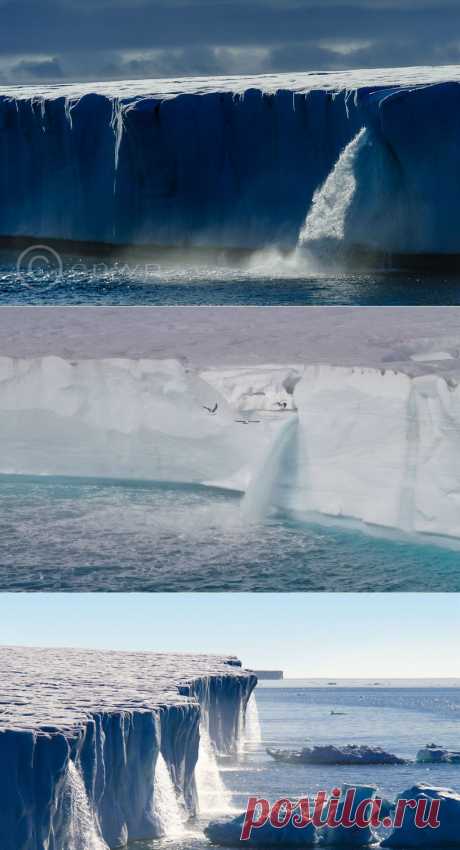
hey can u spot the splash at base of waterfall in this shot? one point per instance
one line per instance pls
(322, 242)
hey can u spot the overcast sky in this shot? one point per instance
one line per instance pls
(379, 635)
(58, 40)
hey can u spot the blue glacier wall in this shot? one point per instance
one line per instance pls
(233, 168)
(89, 782)
(213, 169)
(407, 197)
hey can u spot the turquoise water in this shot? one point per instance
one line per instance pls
(132, 281)
(401, 720)
(109, 535)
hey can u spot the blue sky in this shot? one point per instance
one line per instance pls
(338, 635)
(57, 40)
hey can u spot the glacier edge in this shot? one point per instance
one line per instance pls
(83, 776)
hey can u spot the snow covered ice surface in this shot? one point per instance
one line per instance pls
(108, 163)
(100, 742)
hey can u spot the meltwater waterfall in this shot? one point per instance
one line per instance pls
(166, 807)
(252, 730)
(83, 830)
(268, 477)
(213, 796)
(324, 228)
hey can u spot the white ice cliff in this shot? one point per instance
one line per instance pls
(379, 446)
(237, 161)
(100, 748)
(376, 445)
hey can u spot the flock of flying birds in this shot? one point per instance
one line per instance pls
(281, 405)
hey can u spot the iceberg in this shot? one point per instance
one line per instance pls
(354, 836)
(350, 754)
(236, 162)
(432, 754)
(227, 832)
(102, 747)
(444, 835)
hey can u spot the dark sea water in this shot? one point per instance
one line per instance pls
(399, 719)
(71, 534)
(72, 280)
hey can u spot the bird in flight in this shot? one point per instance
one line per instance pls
(211, 410)
(281, 404)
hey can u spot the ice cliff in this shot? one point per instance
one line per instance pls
(377, 445)
(235, 162)
(380, 446)
(100, 748)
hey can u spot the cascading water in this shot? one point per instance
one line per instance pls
(83, 830)
(213, 796)
(252, 730)
(324, 228)
(166, 806)
(260, 494)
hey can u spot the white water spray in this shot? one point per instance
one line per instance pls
(260, 494)
(166, 805)
(83, 833)
(326, 218)
(213, 796)
(252, 730)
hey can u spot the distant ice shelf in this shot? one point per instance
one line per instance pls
(238, 162)
(101, 747)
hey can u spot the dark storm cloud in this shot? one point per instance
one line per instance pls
(52, 26)
(93, 38)
(28, 71)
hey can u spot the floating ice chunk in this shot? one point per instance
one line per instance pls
(355, 836)
(227, 832)
(447, 834)
(432, 754)
(349, 754)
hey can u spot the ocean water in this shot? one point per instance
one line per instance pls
(72, 534)
(399, 719)
(265, 279)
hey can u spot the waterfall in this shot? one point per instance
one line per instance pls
(252, 730)
(213, 796)
(165, 804)
(325, 222)
(260, 494)
(407, 499)
(83, 832)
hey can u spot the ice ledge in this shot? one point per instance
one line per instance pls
(299, 82)
(59, 689)
(100, 748)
